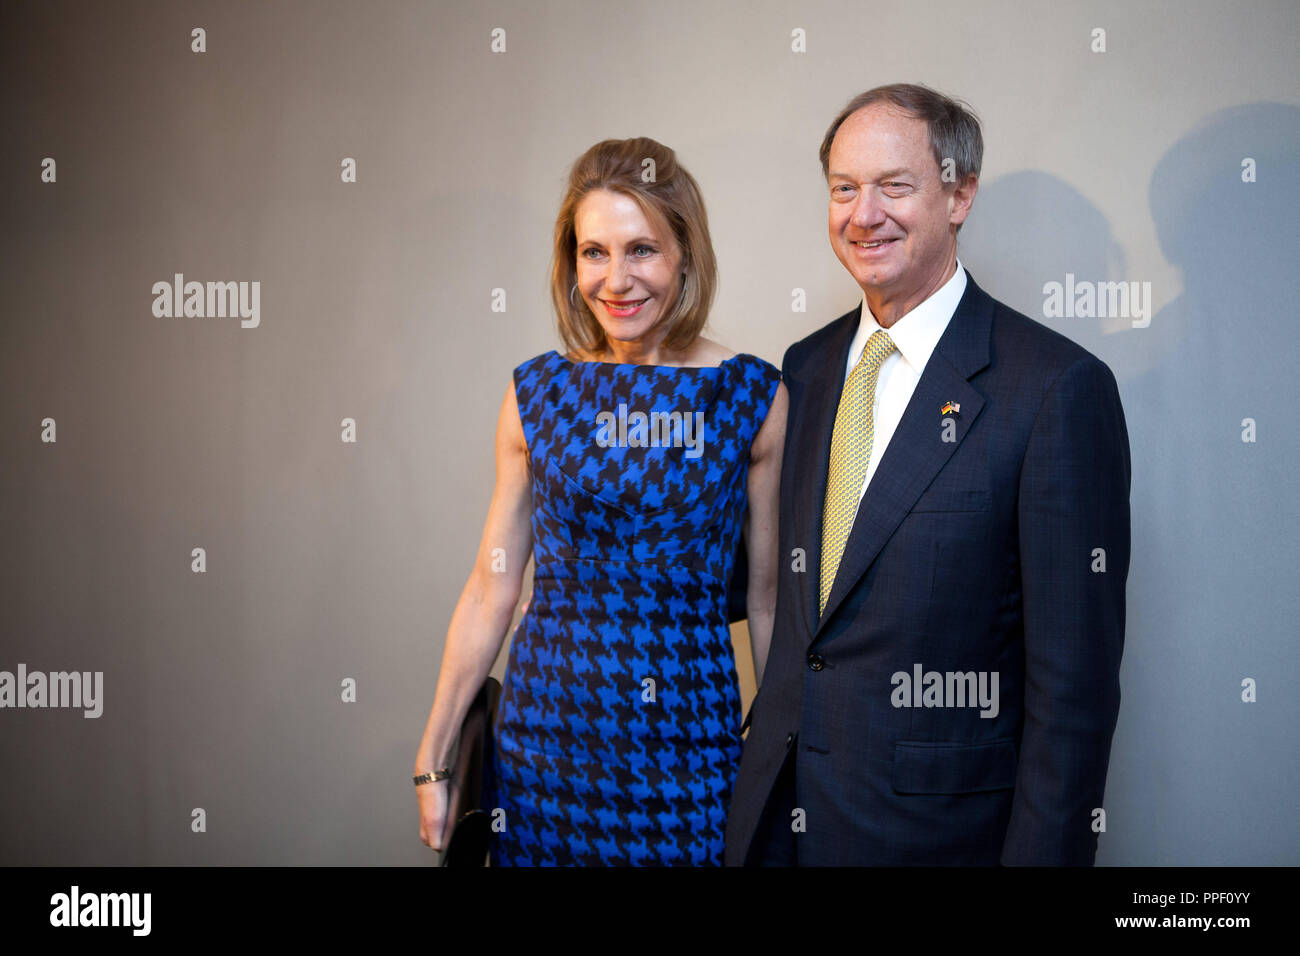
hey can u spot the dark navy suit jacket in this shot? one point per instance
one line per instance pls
(978, 548)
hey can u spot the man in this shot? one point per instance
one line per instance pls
(942, 685)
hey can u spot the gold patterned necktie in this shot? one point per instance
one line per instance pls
(850, 455)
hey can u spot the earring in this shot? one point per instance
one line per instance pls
(572, 291)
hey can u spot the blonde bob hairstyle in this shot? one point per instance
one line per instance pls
(648, 172)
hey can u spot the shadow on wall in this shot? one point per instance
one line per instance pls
(1030, 228)
(1198, 776)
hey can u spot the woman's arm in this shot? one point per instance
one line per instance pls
(482, 615)
(760, 529)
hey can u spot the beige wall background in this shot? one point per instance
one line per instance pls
(328, 561)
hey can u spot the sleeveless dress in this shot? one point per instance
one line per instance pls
(617, 735)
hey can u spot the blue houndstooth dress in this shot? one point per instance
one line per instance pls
(617, 735)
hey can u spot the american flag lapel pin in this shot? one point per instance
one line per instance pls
(950, 408)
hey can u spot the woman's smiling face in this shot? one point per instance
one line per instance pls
(629, 273)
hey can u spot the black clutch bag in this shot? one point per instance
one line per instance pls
(472, 831)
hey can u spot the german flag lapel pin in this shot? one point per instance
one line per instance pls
(950, 408)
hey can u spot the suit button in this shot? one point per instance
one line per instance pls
(815, 662)
(789, 739)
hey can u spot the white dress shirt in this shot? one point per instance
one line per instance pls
(915, 335)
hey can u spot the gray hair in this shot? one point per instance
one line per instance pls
(954, 129)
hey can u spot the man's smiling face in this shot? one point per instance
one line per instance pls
(891, 221)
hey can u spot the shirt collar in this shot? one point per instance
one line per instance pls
(917, 332)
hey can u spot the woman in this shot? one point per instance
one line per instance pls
(626, 467)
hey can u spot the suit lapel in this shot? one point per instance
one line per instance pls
(813, 444)
(917, 451)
